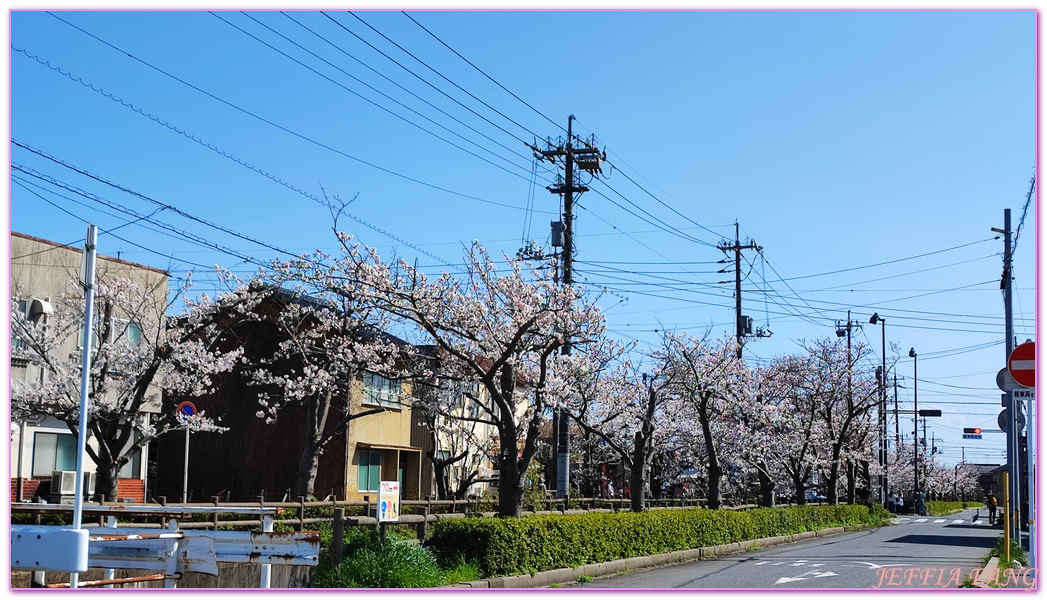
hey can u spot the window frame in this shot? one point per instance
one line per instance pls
(364, 471)
(55, 446)
(381, 391)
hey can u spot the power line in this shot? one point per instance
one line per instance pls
(228, 155)
(372, 88)
(285, 129)
(482, 71)
(417, 76)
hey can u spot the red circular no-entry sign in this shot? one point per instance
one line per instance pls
(1022, 364)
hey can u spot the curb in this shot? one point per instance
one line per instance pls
(570, 575)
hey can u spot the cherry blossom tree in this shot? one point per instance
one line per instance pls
(451, 411)
(143, 365)
(846, 397)
(611, 400)
(329, 337)
(504, 329)
(715, 387)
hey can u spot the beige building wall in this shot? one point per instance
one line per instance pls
(41, 272)
(386, 436)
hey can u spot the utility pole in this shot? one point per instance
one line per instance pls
(1008, 397)
(897, 426)
(587, 158)
(744, 325)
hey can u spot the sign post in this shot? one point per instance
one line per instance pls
(1021, 364)
(389, 501)
(183, 412)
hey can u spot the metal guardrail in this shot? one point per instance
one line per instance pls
(171, 549)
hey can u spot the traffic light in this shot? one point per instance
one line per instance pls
(972, 429)
(931, 413)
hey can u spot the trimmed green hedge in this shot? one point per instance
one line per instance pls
(937, 507)
(512, 546)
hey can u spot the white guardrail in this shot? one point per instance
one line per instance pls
(171, 551)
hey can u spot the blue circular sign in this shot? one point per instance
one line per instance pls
(185, 410)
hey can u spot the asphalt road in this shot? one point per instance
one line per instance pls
(915, 552)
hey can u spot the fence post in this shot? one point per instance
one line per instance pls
(423, 527)
(214, 520)
(337, 536)
(301, 513)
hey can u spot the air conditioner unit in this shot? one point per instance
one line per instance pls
(63, 483)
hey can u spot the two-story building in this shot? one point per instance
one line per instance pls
(41, 272)
(256, 458)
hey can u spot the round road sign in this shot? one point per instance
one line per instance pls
(1005, 382)
(185, 410)
(1022, 364)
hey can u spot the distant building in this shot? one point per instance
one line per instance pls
(254, 458)
(41, 272)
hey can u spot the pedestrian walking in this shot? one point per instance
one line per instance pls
(991, 503)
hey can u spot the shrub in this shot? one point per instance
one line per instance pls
(511, 546)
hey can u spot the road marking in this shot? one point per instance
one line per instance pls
(958, 521)
(875, 566)
(939, 520)
(920, 521)
(761, 563)
(803, 576)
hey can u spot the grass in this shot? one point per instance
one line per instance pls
(584, 579)
(461, 570)
(1018, 556)
(369, 564)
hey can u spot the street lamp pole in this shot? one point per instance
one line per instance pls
(883, 405)
(915, 429)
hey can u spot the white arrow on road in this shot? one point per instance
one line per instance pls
(804, 576)
(875, 566)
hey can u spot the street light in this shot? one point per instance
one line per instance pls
(915, 429)
(883, 405)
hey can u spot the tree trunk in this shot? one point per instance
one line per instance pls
(766, 485)
(107, 478)
(715, 476)
(852, 480)
(307, 467)
(800, 483)
(639, 473)
(316, 417)
(511, 490)
(831, 494)
(715, 471)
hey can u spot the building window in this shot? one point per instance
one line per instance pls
(381, 391)
(121, 331)
(369, 472)
(53, 452)
(127, 332)
(18, 343)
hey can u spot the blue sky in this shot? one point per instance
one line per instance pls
(837, 140)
